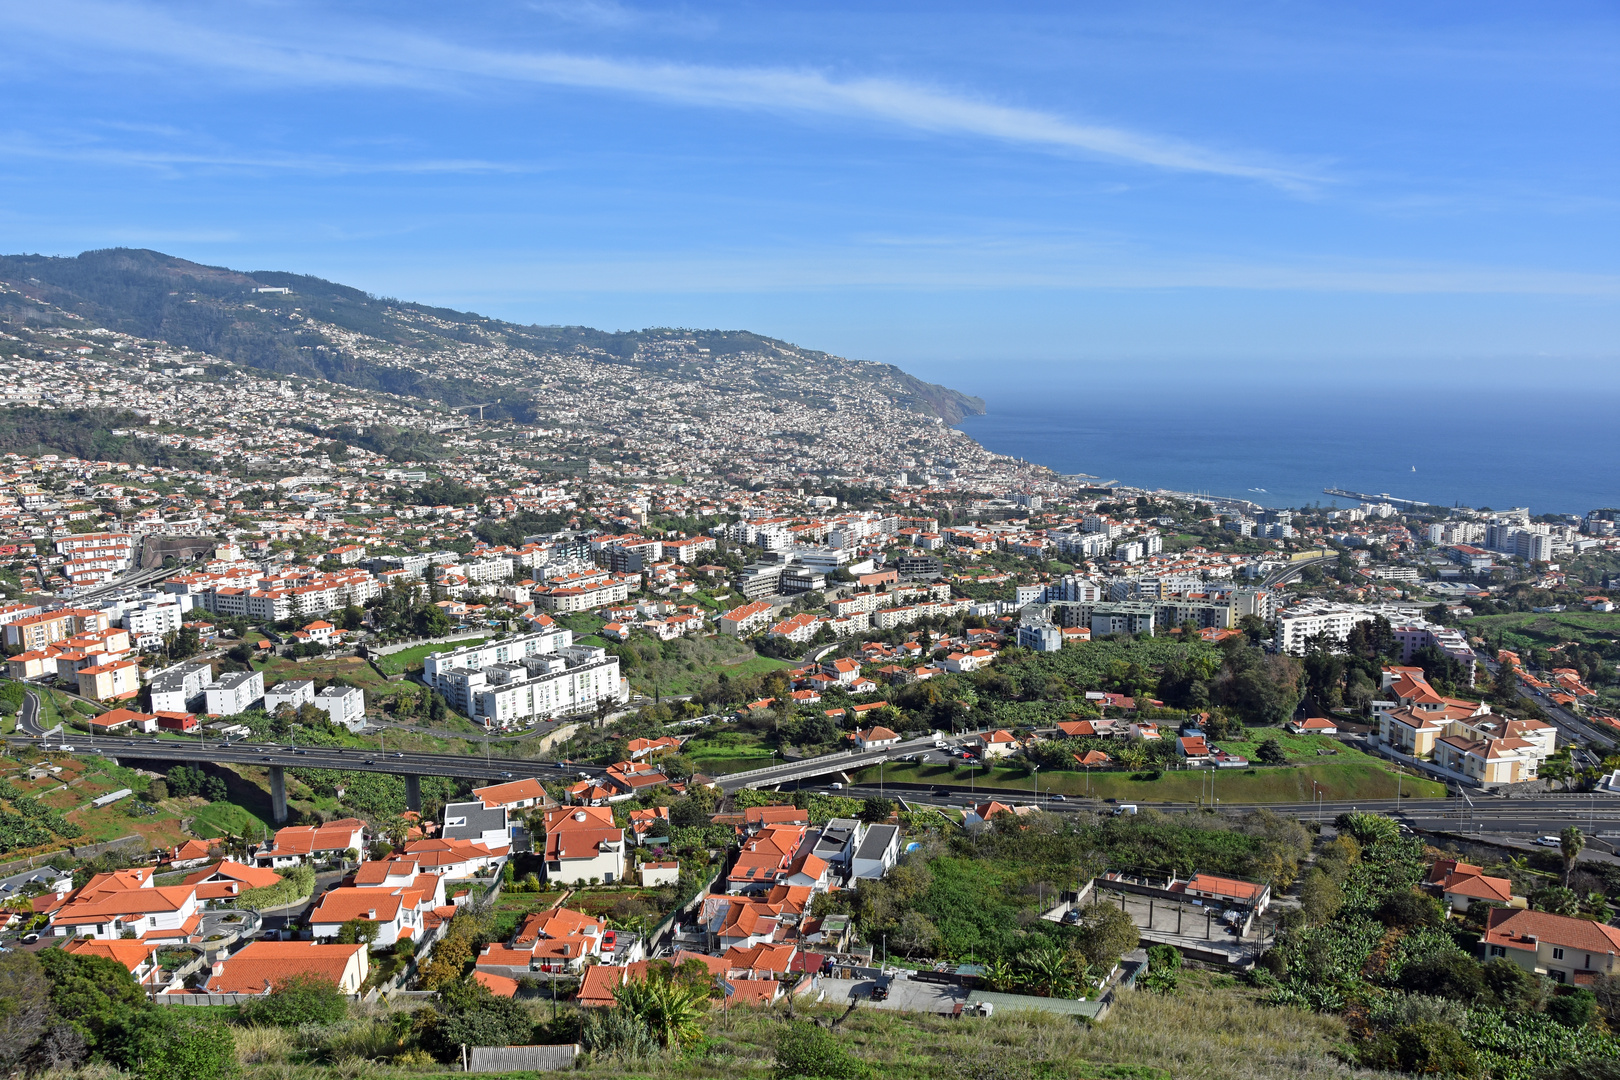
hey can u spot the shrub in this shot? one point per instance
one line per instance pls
(805, 1049)
(1427, 1047)
(301, 999)
(1575, 1010)
(166, 1045)
(1368, 829)
(1410, 909)
(616, 1035)
(1453, 976)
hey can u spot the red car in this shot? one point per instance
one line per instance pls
(609, 938)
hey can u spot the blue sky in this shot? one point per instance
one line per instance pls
(1233, 194)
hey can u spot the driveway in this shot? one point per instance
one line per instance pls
(905, 994)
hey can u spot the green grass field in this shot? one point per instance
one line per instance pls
(217, 819)
(408, 659)
(1527, 629)
(1338, 781)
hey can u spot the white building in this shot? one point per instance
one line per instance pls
(180, 688)
(536, 675)
(344, 705)
(293, 693)
(234, 692)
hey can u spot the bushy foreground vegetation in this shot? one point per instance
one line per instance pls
(1369, 946)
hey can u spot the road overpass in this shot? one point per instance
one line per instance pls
(1284, 574)
(791, 772)
(277, 759)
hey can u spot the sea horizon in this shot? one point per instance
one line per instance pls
(1281, 449)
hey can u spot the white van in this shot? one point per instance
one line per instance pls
(1127, 808)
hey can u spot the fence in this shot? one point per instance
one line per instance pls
(667, 928)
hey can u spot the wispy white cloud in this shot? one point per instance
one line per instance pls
(334, 54)
(98, 152)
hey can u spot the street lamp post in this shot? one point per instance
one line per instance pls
(1035, 779)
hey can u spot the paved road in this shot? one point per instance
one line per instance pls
(797, 772)
(1571, 728)
(399, 763)
(1288, 573)
(28, 715)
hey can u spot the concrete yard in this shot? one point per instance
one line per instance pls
(905, 994)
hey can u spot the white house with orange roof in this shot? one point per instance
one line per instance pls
(1565, 949)
(263, 965)
(874, 738)
(513, 795)
(122, 720)
(227, 880)
(312, 843)
(138, 957)
(128, 901)
(398, 912)
(583, 843)
(995, 744)
(1461, 884)
(1313, 725)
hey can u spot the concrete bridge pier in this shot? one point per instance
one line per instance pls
(278, 794)
(413, 793)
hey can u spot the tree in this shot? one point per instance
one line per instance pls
(1570, 842)
(356, 931)
(1270, 752)
(1453, 975)
(669, 1010)
(1319, 897)
(1556, 899)
(470, 1014)
(876, 809)
(299, 999)
(25, 1007)
(1511, 986)
(96, 995)
(1106, 934)
(915, 934)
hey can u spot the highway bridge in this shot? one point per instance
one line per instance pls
(1284, 574)
(277, 759)
(842, 762)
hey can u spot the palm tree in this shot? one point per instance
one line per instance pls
(667, 1010)
(1570, 842)
(1131, 755)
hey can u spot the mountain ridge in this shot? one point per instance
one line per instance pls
(216, 311)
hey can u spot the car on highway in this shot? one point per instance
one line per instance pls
(1548, 841)
(1058, 798)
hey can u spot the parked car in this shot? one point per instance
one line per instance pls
(880, 991)
(610, 940)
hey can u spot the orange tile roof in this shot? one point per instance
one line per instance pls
(262, 965)
(1511, 928)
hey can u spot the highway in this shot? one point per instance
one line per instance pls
(796, 772)
(1283, 575)
(1527, 817)
(398, 763)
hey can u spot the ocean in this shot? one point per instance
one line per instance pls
(1541, 449)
